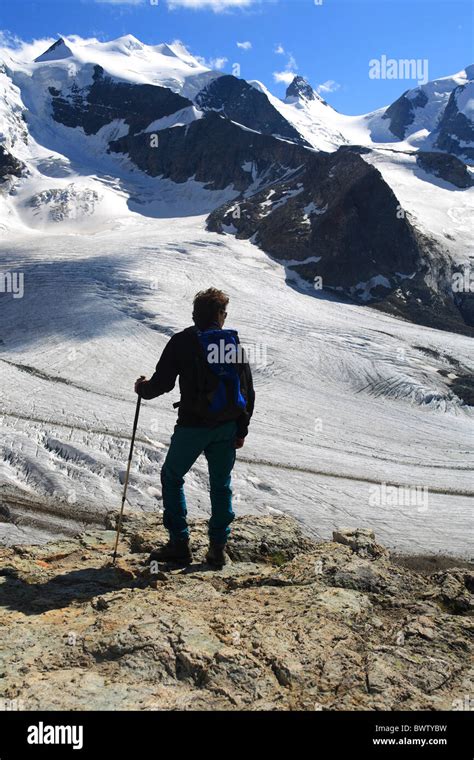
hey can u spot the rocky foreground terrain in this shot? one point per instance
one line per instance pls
(288, 624)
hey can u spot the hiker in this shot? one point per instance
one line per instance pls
(217, 401)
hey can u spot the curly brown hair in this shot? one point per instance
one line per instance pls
(206, 306)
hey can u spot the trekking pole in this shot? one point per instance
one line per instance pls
(119, 525)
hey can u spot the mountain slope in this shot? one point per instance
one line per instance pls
(128, 59)
(416, 115)
(347, 398)
(240, 102)
(455, 131)
(91, 125)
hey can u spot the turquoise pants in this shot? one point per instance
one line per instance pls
(187, 443)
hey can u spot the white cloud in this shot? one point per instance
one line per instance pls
(218, 63)
(214, 5)
(329, 86)
(244, 45)
(24, 51)
(10, 40)
(285, 77)
(213, 63)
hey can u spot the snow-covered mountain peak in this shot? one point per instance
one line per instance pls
(315, 120)
(173, 51)
(75, 108)
(469, 71)
(125, 59)
(300, 89)
(57, 52)
(130, 42)
(421, 108)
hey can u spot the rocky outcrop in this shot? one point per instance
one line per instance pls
(301, 89)
(215, 151)
(465, 304)
(239, 101)
(9, 165)
(59, 204)
(445, 166)
(336, 223)
(428, 297)
(402, 111)
(455, 132)
(463, 386)
(288, 624)
(337, 217)
(106, 99)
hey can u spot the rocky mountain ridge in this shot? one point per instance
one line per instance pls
(332, 218)
(289, 623)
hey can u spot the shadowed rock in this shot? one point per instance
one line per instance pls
(9, 165)
(402, 112)
(456, 130)
(96, 105)
(446, 166)
(300, 88)
(239, 101)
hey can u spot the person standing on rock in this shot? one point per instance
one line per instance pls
(217, 402)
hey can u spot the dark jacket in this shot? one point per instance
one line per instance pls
(179, 359)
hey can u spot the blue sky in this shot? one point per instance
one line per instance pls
(330, 42)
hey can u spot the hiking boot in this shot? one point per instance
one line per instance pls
(178, 552)
(216, 555)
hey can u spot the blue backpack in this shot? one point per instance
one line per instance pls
(219, 366)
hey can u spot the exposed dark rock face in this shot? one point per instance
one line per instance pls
(360, 149)
(332, 212)
(465, 304)
(9, 165)
(300, 88)
(328, 217)
(336, 208)
(426, 305)
(338, 217)
(446, 166)
(301, 205)
(106, 99)
(464, 388)
(428, 298)
(402, 112)
(455, 129)
(239, 101)
(215, 151)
